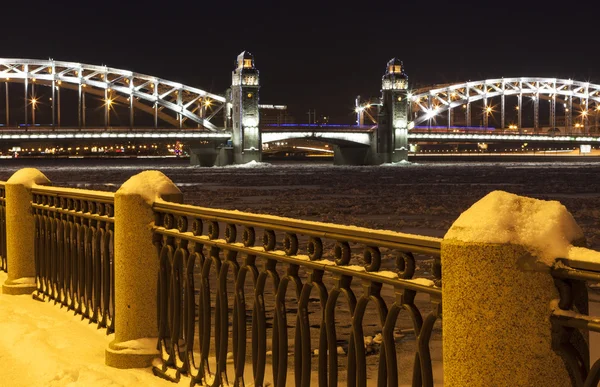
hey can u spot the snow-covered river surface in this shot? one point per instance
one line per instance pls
(413, 198)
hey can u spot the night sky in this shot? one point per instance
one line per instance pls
(312, 55)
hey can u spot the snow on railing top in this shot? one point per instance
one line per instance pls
(383, 238)
(76, 193)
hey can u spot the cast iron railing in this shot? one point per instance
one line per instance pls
(572, 320)
(74, 250)
(220, 292)
(3, 265)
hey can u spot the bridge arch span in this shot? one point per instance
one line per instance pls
(431, 103)
(147, 93)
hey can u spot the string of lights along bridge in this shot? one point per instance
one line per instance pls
(63, 104)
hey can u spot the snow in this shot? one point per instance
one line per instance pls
(65, 191)
(28, 177)
(402, 163)
(374, 233)
(325, 262)
(422, 281)
(583, 255)
(250, 164)
(557, 311)
(387, 274)
(141, 346)
(355, 268)
(44, 345)
(151, 185)
(25, 281)
(545, 228)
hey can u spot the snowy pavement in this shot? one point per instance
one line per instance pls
(44, 345)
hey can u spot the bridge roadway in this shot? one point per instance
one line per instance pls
(357, 135)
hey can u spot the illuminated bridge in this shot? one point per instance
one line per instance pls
(68, 102)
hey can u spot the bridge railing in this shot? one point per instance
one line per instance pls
(572, 316)
(240, 290)
(74, 250)
(3, 263)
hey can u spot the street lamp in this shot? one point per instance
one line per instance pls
(33, 104)
(108, 104)
(584, 114)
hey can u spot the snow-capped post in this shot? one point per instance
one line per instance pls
(20, 231)
(136, 267)
(498, 292)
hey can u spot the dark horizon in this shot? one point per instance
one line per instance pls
(312, 56)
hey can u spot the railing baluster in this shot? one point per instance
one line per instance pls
(3, 265)
(73, 251)
(319, 267)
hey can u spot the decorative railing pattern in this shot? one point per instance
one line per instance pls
(223, 292)
(74, 250)
(573, 320)
(3, 264)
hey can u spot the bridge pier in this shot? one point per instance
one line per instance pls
(211, 153)
(246, 137)
(391, 136)
(354, 155)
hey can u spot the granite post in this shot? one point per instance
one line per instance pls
(20, 231)
(498, 291)
(136, 266)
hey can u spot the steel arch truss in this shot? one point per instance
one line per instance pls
(150, 94)
(430, 103)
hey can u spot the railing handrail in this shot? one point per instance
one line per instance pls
(352, 271)
(75, 193)
(383, 238)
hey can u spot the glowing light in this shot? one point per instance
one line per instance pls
(207, 103)
(109, 102)
(431, 113)
(250, 122)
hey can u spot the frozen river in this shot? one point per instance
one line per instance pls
(414, 198)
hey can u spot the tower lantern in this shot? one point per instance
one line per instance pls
(244, 95)
(392, 132)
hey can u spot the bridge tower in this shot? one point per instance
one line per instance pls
(392, 131)
(246, 138)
